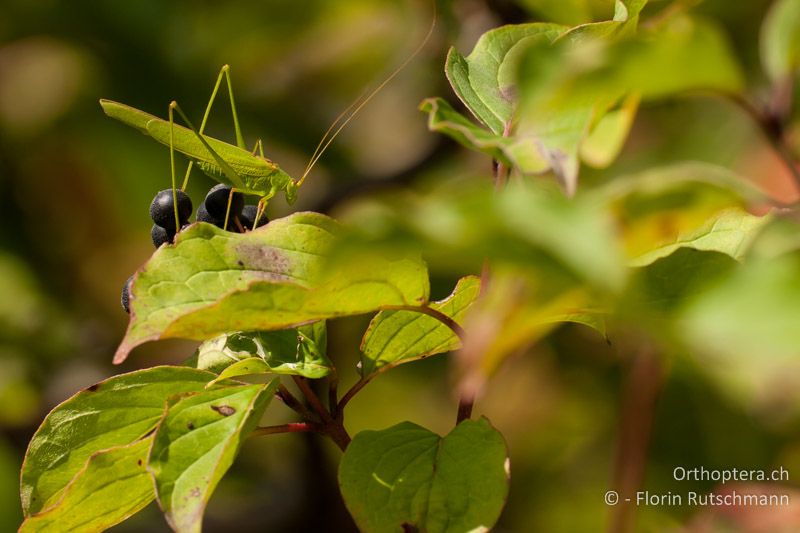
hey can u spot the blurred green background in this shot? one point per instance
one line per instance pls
(75, 188)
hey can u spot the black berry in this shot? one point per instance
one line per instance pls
(204, 216)
(217, 202)
(125, 300)
(248, 216)
(162, 209)
(160, 235)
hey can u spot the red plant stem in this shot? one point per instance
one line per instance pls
(312, 398)
(360, 384)
(500, 174)
(293, 403)
(642, 387)
(293, 427)
(333, 428)
(465, 405)
(333, 404)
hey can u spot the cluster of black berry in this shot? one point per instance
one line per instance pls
(213, 210)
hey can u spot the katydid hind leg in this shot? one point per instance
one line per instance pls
(258, 148)
(239, 138)
(231, 174)
(207, 113)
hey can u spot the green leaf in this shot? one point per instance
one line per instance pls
(484, 80)
(529, 226)
(569, 12)
(751, 314)
(780, 40)
(743, 332)
(213, 281)
(518, 151)
(628, 10)
(730, 232)
(112, 413)
(518, 308)
(566, 88)
(395, 337)
(299, 351)
(591, 318)
(658, 290)
(692, 204)
(553, 259)
(245, 367)
(113, 485)
(605, 141)
(626, 18)
(778, 238)
(406, 476)
(196, 443)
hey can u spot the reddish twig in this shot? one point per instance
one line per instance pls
(312, 398)
(293, 403)
(333, 403)
(331, 427)
(642, 387)
(465, 405)
(293, 427)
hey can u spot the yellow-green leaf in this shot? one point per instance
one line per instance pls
(195, 444)
(113, 485)
(213, 281)
(400, 336)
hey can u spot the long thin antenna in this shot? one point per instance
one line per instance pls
(330, 129)
(328, 139)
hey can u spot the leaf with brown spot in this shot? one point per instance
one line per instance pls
(198, 289)
(91, 501)
(194, 446)
(224, 410)
(116, 412)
